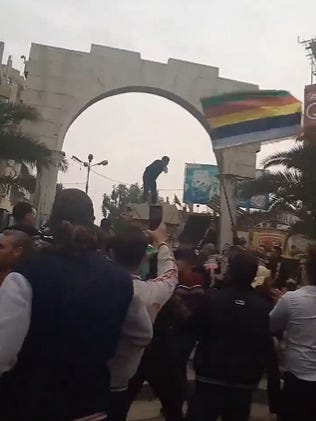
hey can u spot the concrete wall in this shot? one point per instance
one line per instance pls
(62, 83)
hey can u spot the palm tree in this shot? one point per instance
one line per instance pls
(291, 185)
(20, 148)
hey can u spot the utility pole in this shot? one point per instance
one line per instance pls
(90, 158)
(88, 164)
(310, 47)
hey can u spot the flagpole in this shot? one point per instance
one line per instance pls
(227, 206)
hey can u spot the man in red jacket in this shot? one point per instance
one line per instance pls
(164, 364)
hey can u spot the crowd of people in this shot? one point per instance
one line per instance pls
(81, 330)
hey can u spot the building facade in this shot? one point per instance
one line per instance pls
(11, 88)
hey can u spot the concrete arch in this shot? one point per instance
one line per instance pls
(62, 83)
(77, 111)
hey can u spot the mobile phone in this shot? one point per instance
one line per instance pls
(155, 216)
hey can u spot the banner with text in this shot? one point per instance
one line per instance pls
(201, 184)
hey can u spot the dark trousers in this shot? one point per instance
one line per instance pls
(298, 399)
(168, 382)
(274, 383)
(150, 186)
(119, 406)
(212, 401)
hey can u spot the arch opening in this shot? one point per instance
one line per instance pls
(134, 89)
(131, 129)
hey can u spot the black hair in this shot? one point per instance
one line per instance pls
(165, 158)
(129, 247)
(243, 267)
(187, 255)
(71, 221)
(20, 210)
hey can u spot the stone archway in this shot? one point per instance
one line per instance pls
(62, 83)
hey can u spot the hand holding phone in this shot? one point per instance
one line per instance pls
(160, 234)
(155, 216)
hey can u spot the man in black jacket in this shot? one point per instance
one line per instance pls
(164, 363)
(24, 217)
(150, 176)
(234, 345)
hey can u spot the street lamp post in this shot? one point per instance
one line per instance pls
(88, 164)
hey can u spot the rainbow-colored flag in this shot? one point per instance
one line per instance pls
(247, 117)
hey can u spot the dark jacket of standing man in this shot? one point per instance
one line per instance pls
(150, 176)
(234, 344)
(24, 217)
(60, 320)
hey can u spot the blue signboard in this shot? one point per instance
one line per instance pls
(201, 184)
(255, 202)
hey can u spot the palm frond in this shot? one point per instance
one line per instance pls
(23, 184)
(22, 148)
(269, 183)
(12, 114)
(280, 203)
(64, 165)
(300, 158)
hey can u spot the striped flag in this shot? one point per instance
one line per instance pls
(249, 117)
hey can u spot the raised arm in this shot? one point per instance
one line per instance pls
(156, 292)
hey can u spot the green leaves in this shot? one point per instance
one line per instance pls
(21, 148)
(291, 184)
(120, 197)
(14, 114)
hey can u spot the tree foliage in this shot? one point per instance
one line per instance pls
(20, 148)
(291, 184)
(115, 203)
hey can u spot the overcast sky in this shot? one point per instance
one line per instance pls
(251, 41)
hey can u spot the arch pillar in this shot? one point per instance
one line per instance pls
(46, 188)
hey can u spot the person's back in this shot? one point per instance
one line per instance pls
(174, 329)
(128, 249)
(71, 305)
(155, 169)
(234, 338)
(164, 364)
(301, 328)
(234, 345)
(78, 306)
(295, 313)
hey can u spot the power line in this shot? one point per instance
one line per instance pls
(128, 184)
(120, 181)
(73, 183)
(111, 179)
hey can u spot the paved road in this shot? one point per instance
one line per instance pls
(150, 410)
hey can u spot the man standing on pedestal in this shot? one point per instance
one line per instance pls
(150, 176)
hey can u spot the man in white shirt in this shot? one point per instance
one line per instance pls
(296, 313)
(128, 249)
